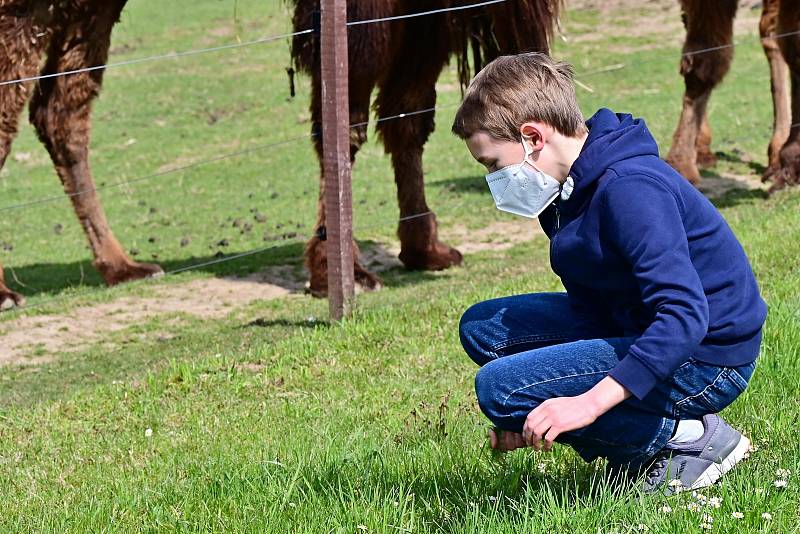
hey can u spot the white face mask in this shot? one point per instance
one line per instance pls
(523, 189)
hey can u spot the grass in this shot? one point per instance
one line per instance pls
(274, 420)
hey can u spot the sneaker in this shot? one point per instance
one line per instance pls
(697, 464)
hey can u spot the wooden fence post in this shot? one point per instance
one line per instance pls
(336, 157)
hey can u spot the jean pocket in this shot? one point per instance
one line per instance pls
(715, 397)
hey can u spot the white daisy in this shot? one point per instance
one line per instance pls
(781, 483)
(737, 515)
(766, 516)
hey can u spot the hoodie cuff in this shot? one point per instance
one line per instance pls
(634, 376)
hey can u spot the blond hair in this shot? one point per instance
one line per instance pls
(513, 90)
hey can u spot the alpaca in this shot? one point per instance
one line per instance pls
(709, 25)
(60, 109)
(402, 59)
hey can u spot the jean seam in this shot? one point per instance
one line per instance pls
(722, 374)
(526, 339)
(741, 380)
(551, 380)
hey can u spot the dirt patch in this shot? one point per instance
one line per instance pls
(500, 235)
(33, 340)
(715, 187)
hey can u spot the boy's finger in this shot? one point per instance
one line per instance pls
(493, 438)
(550, 438)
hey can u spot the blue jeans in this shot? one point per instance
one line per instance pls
(535, 347)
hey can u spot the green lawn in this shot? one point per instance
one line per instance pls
(274, 420)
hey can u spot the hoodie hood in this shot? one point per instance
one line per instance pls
(613, 137)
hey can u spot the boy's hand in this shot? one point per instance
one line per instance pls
(563, 414)
(555, 416)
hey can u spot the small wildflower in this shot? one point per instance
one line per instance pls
(766, 516)
(715, 502)
(492, 498)
(642, 527)
(292, 505)
(693, 507)
(702, 499)
(783, 473)
(781, 483)
(707, 518)
(396, 503)
(665, 509)
(362, 527)
(753, 448)
(675, 484)
(542, 467)
(705, 526)
(737, 515)
(148, 432)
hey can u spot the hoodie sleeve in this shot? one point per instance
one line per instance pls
(643, 220)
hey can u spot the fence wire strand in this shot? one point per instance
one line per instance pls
(160, 57)
(272, 38)
(209, 161)
(425, 13)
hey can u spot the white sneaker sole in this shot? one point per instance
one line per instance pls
(715, 471)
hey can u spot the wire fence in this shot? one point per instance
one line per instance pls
(290, 240)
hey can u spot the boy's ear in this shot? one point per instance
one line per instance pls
(533, 132)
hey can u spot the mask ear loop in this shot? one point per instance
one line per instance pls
(528, 153)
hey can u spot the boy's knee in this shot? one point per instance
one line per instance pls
(487, 389)
(470, 329)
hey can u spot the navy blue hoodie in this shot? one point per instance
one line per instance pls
(642, 253)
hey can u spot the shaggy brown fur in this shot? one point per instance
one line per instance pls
(709, 24)
(402, 60)
(70, 34)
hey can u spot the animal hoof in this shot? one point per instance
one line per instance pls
(706, 160)
(688, 169)
(134, 271)
(10, 300)
(365, 281)
(437, 258)
(769, 174)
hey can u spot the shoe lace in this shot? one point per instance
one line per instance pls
(655, 470)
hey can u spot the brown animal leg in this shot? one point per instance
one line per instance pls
(23, 39)
(789, 21)
(709, 24)
(410, 87)
(779, 79)
(705, 157)
(316, 259)
(61, 113)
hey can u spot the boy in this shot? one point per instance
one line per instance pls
(661, 322)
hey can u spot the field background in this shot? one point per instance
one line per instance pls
(264, 417)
